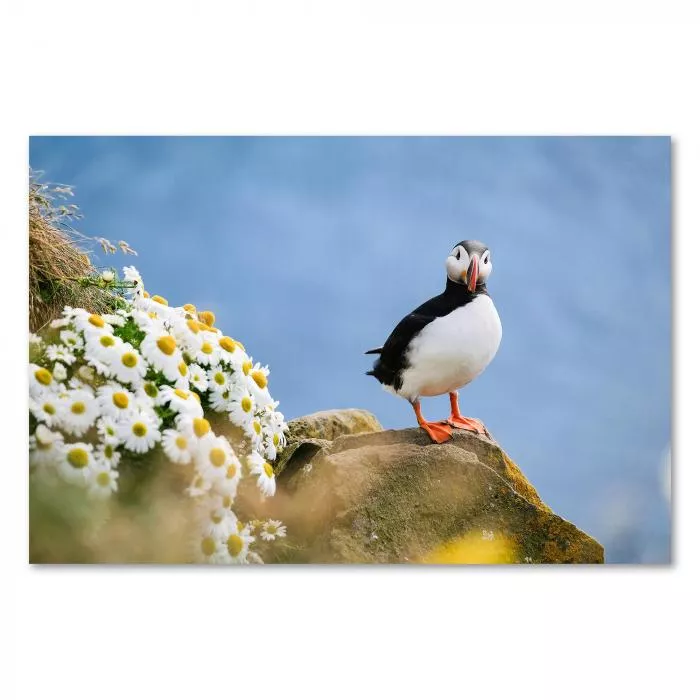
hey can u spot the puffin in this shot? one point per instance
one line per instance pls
(445, 343)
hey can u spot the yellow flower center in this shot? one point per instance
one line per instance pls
(268, 470)
(190, 308)
(181, 442)
(259, 378)
(139, 429)
(228, 344)
(234, 544)
(207, 317)
(207, 348)
(182, 369)
(182, 394)
(239, 526)
(193, 326)
(166, 344)
(208, 546)
(129, 359)
(146, 295)
(257, 427)
(109, 451)
(216, 517)
(201, 426)
(78, 458)
(219, 378)
(151, 390)
(196, 396)
(43, 376)
(106, 341)
(247, 366)
(217, 457)
(246, 404)
(231, 471)
(96, 321)
(103, 479)
(159, 300)
(152, 314)
(227, 501)
(49, 408)
(78, 408)
(120, 399)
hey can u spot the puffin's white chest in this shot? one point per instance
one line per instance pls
(452, 350)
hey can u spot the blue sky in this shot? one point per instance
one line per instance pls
(310, 250)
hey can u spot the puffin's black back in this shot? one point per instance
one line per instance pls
(392, 359)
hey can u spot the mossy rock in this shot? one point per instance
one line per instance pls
(394, 497)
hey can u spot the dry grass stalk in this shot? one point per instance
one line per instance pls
(56, 261)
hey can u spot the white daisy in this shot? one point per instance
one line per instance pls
(219, 379)
(139, 433)
(206, 351)
(115, 401)
(106, 453)
(188, 332)
(60, 353)
(237, 546)
(114, 319)
(212, 457)
(226, 483)
(127, 365)
(177, 447)
(75, 462)
(180, 400)
(210, 550)
(272, 529)
(102, 480)
(265, 473)
(161, 351)
(219, 401)
(132, 275)
(218, 523)
(108, 431)
(199, 378)
(241, 410)
(231, 351)
(45, 408)
(40, 379)
(35, 339)
(78, 410)
(257, 384)
(103, 346)
(71, 339)
(44, 447)
(194, 427)
(90, 323)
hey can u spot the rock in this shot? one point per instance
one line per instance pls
(309, 433)
(392, 496)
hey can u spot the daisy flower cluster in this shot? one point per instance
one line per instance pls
(105, 389)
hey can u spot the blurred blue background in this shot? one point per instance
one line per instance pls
(310, 250)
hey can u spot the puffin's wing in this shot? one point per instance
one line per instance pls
(388, 366)
(374, 351)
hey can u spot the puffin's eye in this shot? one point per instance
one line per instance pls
(486, 259)
(458, 253)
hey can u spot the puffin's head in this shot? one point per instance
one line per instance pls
(469, 263)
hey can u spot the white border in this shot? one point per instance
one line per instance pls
(380, 68)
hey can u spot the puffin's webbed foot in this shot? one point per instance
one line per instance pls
(457, 420)
(438, 431)
(464, 423)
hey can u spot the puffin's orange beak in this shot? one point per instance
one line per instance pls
(471, 274)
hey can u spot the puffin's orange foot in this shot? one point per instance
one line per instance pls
(464, 423)
(438, 432)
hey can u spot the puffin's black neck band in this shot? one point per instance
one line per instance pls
(460, 291)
